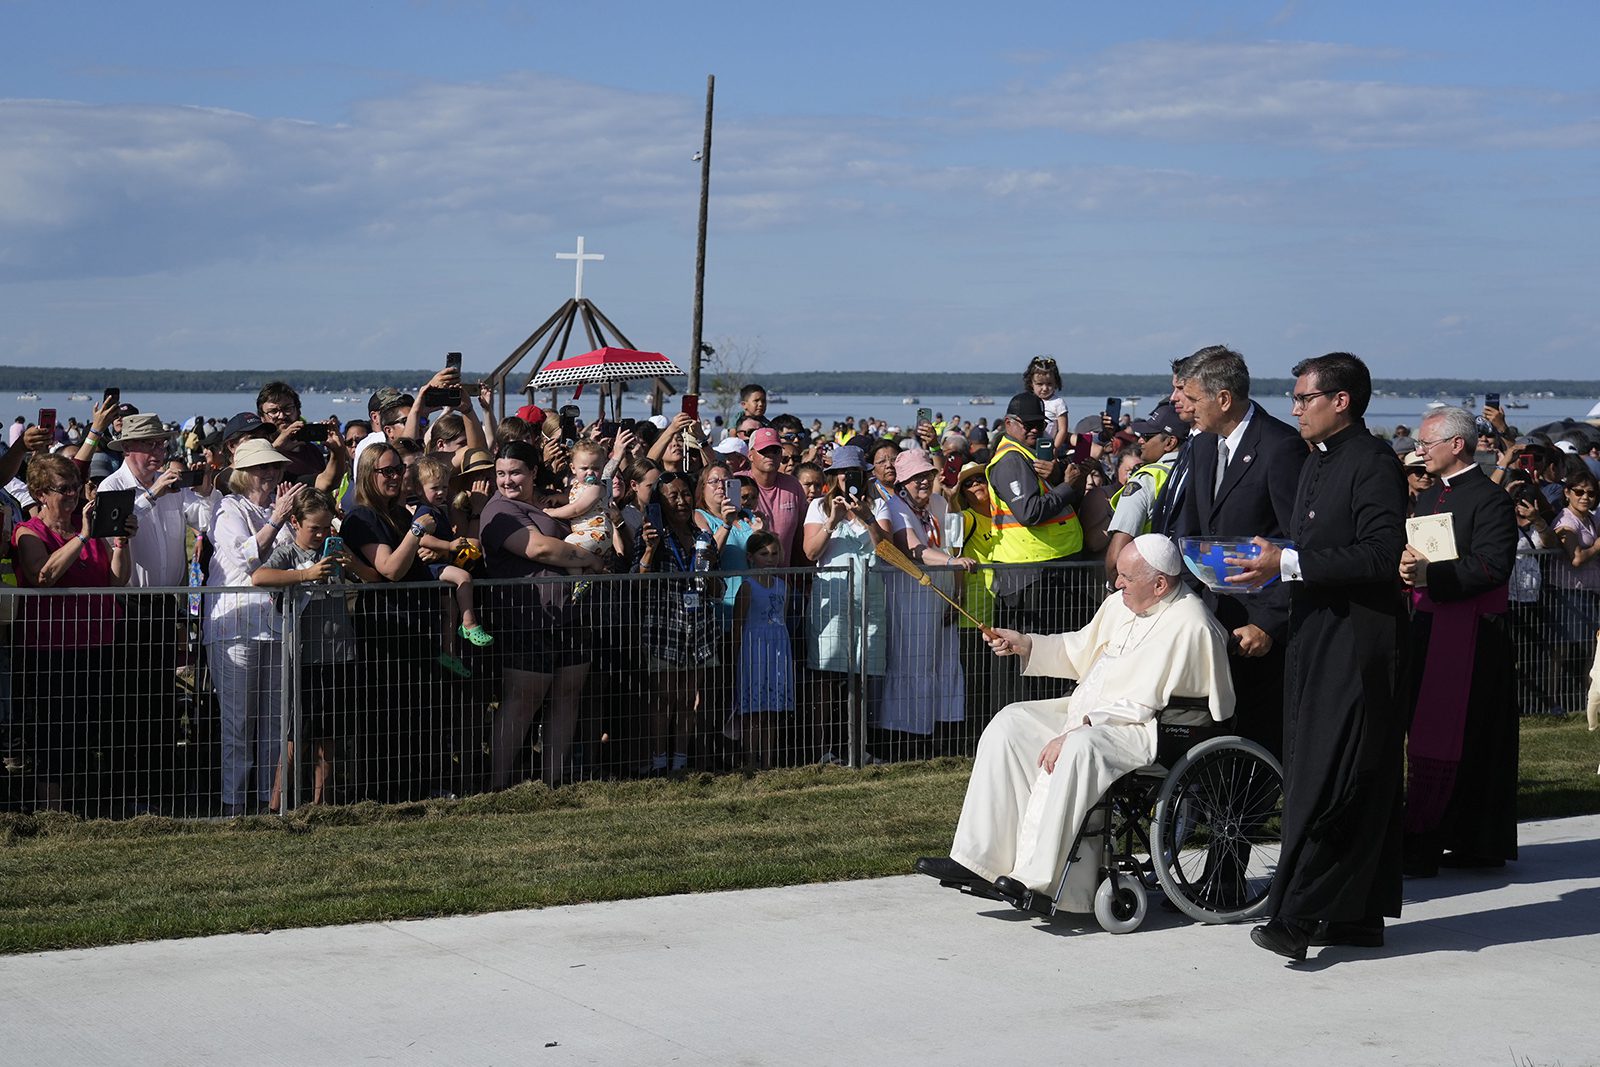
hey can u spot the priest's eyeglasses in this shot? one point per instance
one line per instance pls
(1423, 446)
(1304, 399)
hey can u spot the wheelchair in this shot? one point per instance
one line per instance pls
(1202, 823)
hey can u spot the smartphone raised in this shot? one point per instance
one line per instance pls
(333, 548)
(628, 424)
(855, 482)
(111, 510)
(1491, 400)
(691, 405)
(435, 397)
(733, 489)
(47, 419)
(452, 361)
(1081, 448)
(113, 397)
(192, 477)
(652, 515)
(952, 470)
(312, 433)
(1114, 409)
(924, 416)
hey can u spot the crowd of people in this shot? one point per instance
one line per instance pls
(438, 601)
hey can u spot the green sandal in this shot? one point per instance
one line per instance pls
(450, 663)
(477, 635)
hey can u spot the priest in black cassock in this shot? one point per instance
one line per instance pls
(1344, 726)
(1461, 791)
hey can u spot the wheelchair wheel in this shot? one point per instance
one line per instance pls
(1119, 907)
(1215, 837)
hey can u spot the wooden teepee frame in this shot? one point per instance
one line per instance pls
(556, 332)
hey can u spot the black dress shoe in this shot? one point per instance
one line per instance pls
(1284, 937)
(1011, 889)
(1419, 867)
(1467, 861)
(1363, 933)
(947, 870)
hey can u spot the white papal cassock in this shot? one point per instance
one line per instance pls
(1019, 819)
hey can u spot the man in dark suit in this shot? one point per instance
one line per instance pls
(1245, 467)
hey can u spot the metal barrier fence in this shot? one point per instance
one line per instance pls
(208, 702)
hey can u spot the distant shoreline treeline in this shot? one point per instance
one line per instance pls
(872, 383)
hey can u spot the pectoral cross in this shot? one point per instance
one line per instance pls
(580, 255)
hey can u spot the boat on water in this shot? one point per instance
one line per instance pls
(911, 400)
(339, 400)
(78, 398)
(27, 396)
(982, 401)
(777, 398)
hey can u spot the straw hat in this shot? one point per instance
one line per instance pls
(475, 461)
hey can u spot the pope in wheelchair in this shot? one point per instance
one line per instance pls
(1045, 767)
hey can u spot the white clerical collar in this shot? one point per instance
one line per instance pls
(1457, 473)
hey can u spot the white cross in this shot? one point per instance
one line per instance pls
(580, 255)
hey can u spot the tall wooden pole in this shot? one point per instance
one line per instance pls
(700, 247)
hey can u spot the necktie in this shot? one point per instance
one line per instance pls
(1222, 465)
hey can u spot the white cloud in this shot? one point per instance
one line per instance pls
(1290, 92)
(91, 189)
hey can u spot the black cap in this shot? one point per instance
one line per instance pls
(1164, 419)
(242, 423)
(1027, 407)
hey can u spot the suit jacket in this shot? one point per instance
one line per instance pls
(1256, 498)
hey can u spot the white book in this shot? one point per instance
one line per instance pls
(1433, 537)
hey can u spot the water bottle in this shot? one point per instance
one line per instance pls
(701, 567)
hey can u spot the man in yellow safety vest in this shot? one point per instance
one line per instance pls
(1035, 498)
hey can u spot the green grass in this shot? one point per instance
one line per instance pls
(66, 883)
(1558, 761)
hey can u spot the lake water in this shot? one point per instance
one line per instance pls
(1384, 412)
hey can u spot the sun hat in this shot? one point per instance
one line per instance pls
(907, 465)
(257, 453)
(1414, 461)
(139, 428)
(968, 470)
(846, 458)
(474, 460)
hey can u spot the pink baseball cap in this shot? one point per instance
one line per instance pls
(766, 437)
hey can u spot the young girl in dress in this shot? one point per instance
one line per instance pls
(762, 651)
(1043, 380)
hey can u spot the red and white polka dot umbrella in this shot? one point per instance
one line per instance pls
(604, 365)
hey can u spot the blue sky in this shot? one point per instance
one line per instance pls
(895, 186)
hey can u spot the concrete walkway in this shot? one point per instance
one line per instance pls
(1501, 967)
